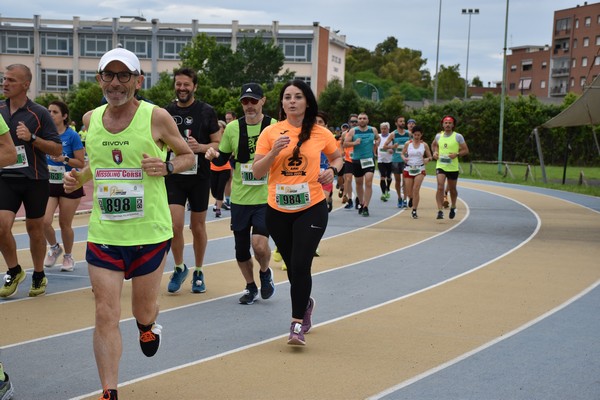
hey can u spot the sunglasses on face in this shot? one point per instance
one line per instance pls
(247, 100)
(354, 121)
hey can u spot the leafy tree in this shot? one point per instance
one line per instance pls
(450, 84)
(162, 93)
(476, 82)
(82, 98)
(261, 62)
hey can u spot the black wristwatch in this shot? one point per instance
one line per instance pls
(334, 169)
(33, 137)
(169, 166)
(66, 160)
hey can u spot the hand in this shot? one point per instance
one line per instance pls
(211, 153)
(153, 166)
(194, 145)
(23, 132)
(71, 181)
(281, 143)
(326, 176)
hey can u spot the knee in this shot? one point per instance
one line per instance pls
(145, 313)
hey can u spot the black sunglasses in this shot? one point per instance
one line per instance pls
(247, 100)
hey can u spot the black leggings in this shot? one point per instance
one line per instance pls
(218, 180)
(297, 236)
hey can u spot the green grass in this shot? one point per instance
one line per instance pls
(554, 176)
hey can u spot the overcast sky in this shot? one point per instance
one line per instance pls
(365, 23)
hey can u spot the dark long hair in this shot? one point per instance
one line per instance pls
(310, 115)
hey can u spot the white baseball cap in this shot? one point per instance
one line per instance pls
(122, 55)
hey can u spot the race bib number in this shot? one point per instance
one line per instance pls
(248, 177)
(191, 171)
(121, 201)
(416, 170)
(399, 149)
(292, 197)
(57, 172)
(21, 159)
(367, 163)
(445, 159)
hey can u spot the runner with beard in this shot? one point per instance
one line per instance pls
(198, 124)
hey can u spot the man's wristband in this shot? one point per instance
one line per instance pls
(334, 169)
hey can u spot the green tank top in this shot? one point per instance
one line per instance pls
(130, 208)
(447, 145)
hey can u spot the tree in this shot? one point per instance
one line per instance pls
(450, 84)
(82, 98)
(476, 82)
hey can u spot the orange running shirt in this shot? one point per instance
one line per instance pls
(288, 174)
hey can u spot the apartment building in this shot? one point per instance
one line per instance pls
(568, 65)
(61, 53)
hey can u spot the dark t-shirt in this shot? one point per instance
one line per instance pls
(31, 161)
(200, 120)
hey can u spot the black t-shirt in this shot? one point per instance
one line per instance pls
(200, 121)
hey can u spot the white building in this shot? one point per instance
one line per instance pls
(61, 53)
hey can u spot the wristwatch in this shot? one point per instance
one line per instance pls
(169, 166)
(66, 160)
(33, 137)
(334, 169)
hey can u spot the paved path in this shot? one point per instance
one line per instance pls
(500, 303)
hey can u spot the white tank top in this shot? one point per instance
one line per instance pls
(415, 155)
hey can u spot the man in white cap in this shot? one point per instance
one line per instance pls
(130, 227)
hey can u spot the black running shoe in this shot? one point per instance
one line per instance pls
(452, 213)
(356, 202)
(267, 286)
(249, 296)
(410, 203)
(440, 215)
(150, 340)
(414, 214)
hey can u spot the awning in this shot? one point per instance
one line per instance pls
(584, 111)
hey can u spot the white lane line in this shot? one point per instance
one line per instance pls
(484, 346)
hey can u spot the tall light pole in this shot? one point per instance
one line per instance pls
(469, 12)
(437, 56)
(373, 86)
(501, 127)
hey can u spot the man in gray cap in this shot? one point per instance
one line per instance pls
(248, 195)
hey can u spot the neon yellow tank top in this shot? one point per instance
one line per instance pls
(447, 145)
(130, 208)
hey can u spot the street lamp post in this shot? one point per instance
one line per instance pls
(469, 12)
(373, 86)
(437, 56)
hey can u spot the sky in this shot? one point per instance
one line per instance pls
(365, 24)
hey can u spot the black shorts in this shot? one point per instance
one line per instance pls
(385, 169)
(347, 167)
(450, 175)
(182, 188)
(358, 171)
(397, 168)
(58, 190)
(131, 260)
(246, 216)
(31, 193)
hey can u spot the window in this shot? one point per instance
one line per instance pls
(574, 43)
(57, 44)
(586, 42)
(56, 80)
(574, 63)
(16, 42)
(95, 45)
(296, 50)
(525, 84)
(572, 82)
(513, 68)
(563, 24)
(526, 65)
(140, 45)
(584, 61)
(169, 47)
(597, 60)
(544, 64)
(87, 76)
(577, 23)
(582, 81)
(306, 79)
(511, 86)
(588, 21)
(597, 40)
(543, 84)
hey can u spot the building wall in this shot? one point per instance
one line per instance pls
(567, 65)
(58, 51)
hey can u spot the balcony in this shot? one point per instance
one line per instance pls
(558, 72)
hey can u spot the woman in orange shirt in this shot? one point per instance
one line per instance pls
(290, 152)
(219, 176)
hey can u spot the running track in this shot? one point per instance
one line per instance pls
(500, 303)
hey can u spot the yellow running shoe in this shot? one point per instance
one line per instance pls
(276, 255)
